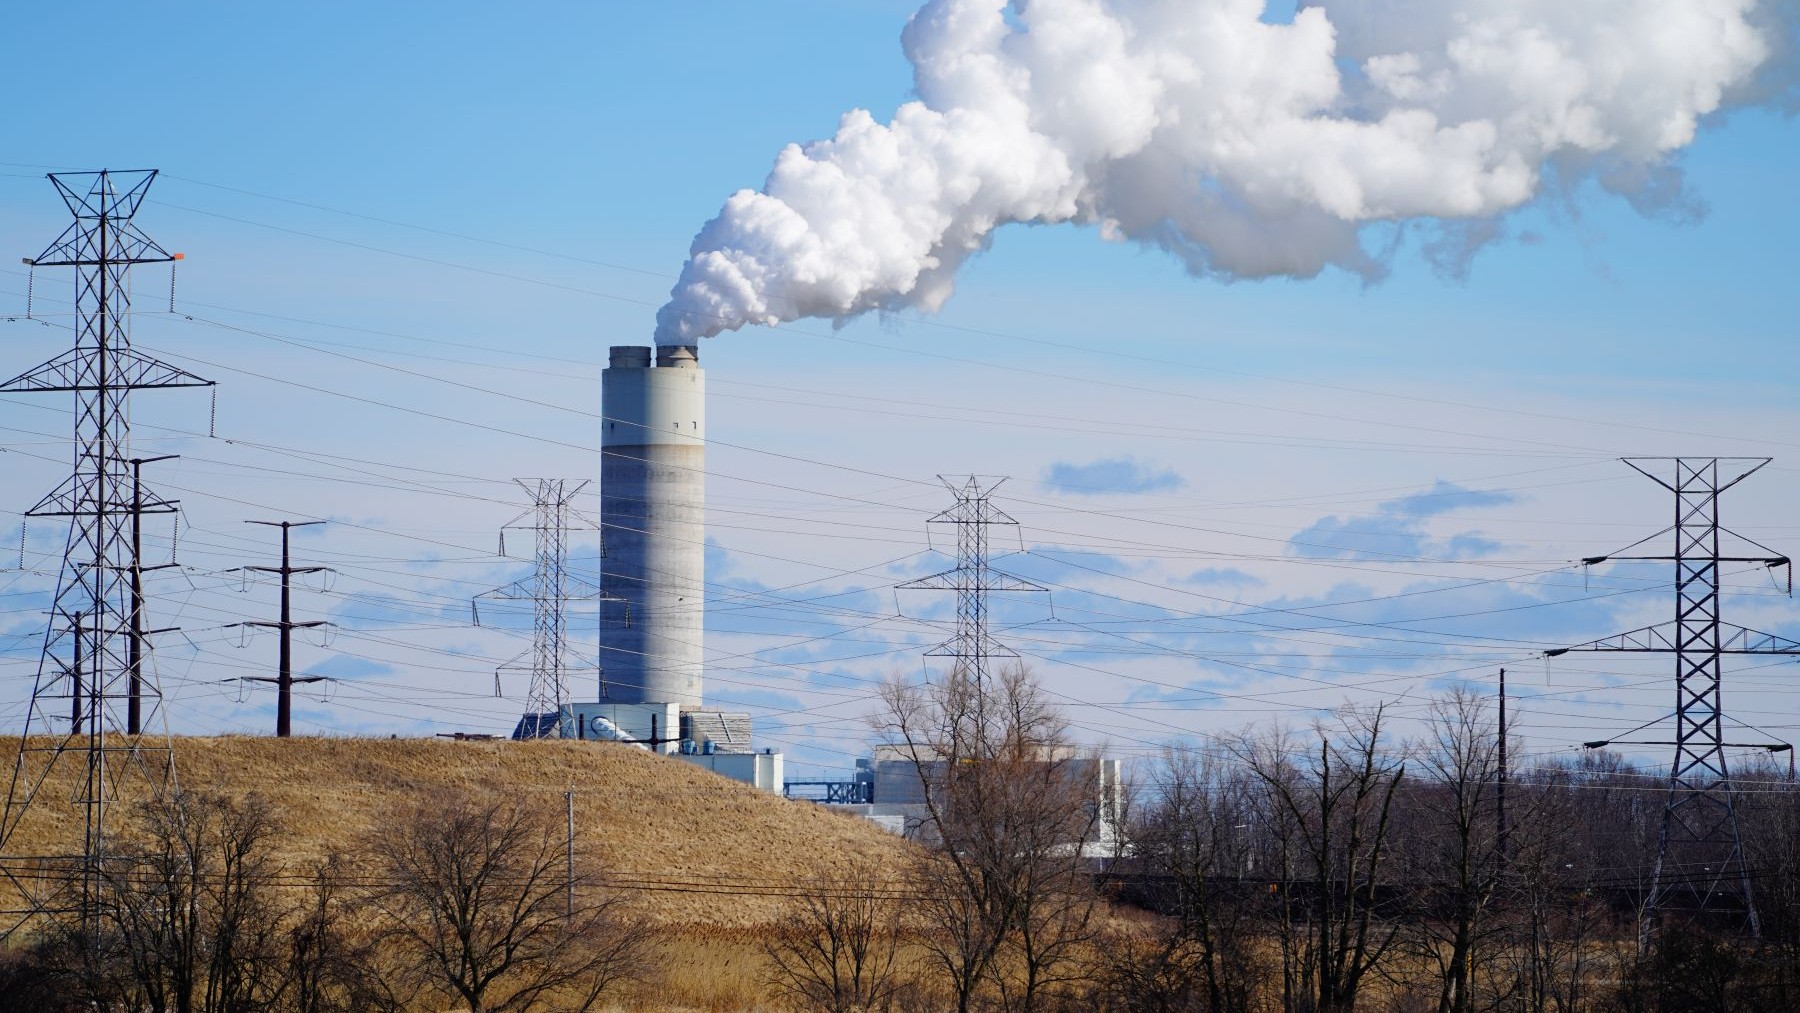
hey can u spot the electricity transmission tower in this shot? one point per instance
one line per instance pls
(1700, 862)
(973, 578)
(88, 665)
(550, 589)
(284, 678)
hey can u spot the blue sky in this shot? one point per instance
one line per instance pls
(520, 186)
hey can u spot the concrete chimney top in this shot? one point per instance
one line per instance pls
(679, 356)
(630, 357)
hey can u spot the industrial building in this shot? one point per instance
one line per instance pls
(652, 655)
(889, 788)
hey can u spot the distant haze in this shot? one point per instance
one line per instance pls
(1246, 149)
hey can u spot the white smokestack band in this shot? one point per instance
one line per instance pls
(1246, 149)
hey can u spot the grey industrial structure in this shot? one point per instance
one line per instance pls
(653, 526)
(890, 789)
(653, 573)
(653, 605)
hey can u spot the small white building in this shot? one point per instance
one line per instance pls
(714, 739)
(764, 769)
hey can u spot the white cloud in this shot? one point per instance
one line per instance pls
(1111, 475)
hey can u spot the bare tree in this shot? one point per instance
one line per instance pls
(188, 903)
(1771, 820)
(1328, 811)
(474, 899)
(1051, 812)
(194, 918)
(1009, 806)
(964, 906)
(840, 952)
(1556, 916)
(330, 967)
(1454, 844)
(36, 977)
(1195, 835)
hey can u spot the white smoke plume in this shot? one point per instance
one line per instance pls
(1246, 149)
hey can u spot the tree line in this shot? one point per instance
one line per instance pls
(1321, 869)
(1318, 869)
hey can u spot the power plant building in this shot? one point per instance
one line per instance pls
(890, 789)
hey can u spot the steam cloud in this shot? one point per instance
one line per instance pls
(1246, 149)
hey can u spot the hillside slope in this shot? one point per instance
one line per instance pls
(696, 848)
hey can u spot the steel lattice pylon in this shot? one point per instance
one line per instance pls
(973, 577)
(1700, 855)
(86, 670)
(549, 589)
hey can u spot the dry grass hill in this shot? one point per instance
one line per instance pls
(704, 852)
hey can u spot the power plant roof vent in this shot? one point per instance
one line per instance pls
(631, 356)
(685, 356)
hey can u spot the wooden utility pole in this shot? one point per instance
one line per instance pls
(134, 655)
(75, 670)
(569, 855)
(1501, 787)
(284, 679)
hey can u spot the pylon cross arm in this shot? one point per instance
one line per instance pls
(524, 589)
(76, 250)
(953, 648)
(1663, 638)
(128, 370)
(1738, 640)
(959, 579)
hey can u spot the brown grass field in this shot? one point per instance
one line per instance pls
(709, 860)
(712, 863)
(699, 849)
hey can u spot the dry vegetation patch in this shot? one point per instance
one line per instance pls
(696, 849)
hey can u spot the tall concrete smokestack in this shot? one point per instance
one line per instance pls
(652, 515)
